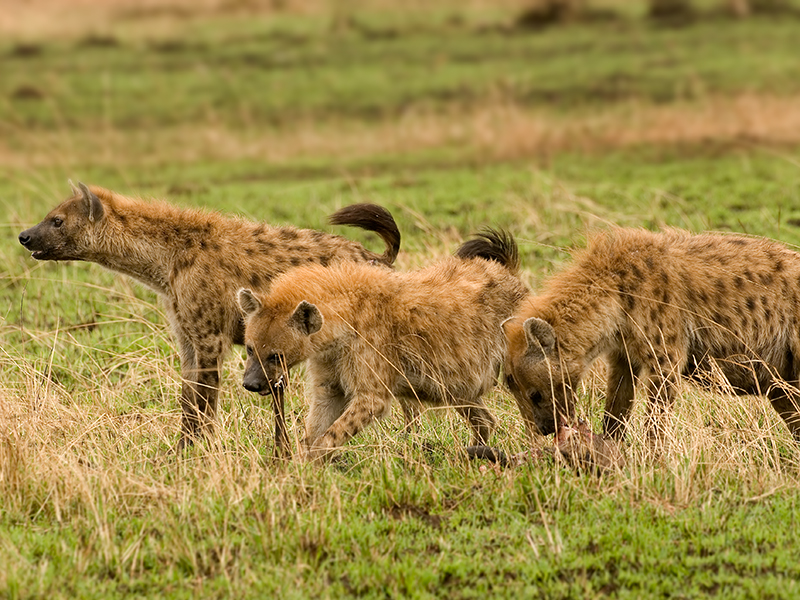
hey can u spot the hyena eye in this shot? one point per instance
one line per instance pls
(275, 358)
(535, 397)
(510, 381)
(249, 350)
(58, 221)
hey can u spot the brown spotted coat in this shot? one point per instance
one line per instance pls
(196, 261)
(370, 335)
(658, 306)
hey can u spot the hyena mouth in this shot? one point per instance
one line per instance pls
(273, 388)
(37, 254)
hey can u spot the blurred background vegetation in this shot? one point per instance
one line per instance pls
(550, 118)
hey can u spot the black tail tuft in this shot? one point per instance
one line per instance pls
(492, 244)
(372, 218)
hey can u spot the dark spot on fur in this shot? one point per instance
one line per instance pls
(630, 301)
(287, 234)
(317, 236)
(672, 339)
(720, 287)
(637, 272)
(750, 302)
(779, 266)
(258, 230)
(665, 298)
(664, 277)
(324, 260)
(648, 261)
(766, 278)
(248, 251)
(767, 315)
(255, 280)
(764, 301)
(738, 282)
(737, 241)
(295, 261)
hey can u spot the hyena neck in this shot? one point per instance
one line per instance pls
(146, 240)
(583, 311)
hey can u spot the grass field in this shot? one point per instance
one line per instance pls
(454, 118)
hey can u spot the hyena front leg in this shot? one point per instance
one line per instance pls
(190, 413)
(411, 412)
(480, 420)
(785, 399)
(200, 388)
(619, 395)
(360, 412)
(661, 390)
(328, 402)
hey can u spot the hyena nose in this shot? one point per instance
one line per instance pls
(24, 238)
(252, 385)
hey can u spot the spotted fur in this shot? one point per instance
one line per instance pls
(658, 306)
(370, 335)
(195, 260)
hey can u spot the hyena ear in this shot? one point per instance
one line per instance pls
(541, 337)
(248, 302)
(306, 318)
(93, 205)
(76, 191)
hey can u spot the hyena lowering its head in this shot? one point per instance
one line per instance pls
(196, 261)
(658, 306)
(370, 335)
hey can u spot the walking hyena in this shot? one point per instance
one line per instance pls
(658, 306)
(371, 335)
(195, 261)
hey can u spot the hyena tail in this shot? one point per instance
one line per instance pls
(492, 244)
(372, 218)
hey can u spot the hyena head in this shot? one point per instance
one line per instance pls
(67, 232)
(538, 374)
(276, 340)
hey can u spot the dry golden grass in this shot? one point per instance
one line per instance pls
(492, 131)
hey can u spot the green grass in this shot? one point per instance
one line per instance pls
(262, 77)
(94, 504)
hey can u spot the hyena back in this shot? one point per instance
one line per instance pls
(195, 261)
(658, 306)
(369, 335)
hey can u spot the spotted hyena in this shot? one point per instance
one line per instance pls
(196, 260)
(370, 335)
(658, 306)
